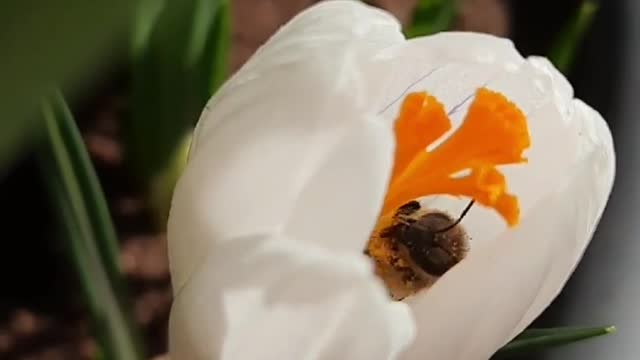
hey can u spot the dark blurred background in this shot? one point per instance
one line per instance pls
(605, 287)
(42, 315)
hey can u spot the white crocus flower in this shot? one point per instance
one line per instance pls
(292, 176)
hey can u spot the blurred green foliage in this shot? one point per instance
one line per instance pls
(180, 54)
(44, 43)
(566, 45)
(87, 230)
(431, 16)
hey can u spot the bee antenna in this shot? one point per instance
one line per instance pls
(455, 223)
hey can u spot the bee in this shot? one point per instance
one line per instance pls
(420, 245)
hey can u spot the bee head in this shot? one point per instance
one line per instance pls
(433, 241)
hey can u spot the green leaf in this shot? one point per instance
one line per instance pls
(431, 16)
(146, 15)
(565, 46)
(45, 43)
(175, 72)
(219, 48)
(536, 339)
(88, 230)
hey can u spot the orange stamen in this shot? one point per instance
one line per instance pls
(494, 132)
(422, 121)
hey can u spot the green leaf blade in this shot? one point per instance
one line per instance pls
(566, 45)
(219, 48)
(89, 232)
(431, 16)
(537, 339)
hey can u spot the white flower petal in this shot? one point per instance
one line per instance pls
(596, 139)
(265, 297)
(267, 133)
(562, 89)
(340, 203)
(493, 294)
(449, 65)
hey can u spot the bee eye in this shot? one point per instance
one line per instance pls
(408, 208)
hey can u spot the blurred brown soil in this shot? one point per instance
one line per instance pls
(65, 333)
